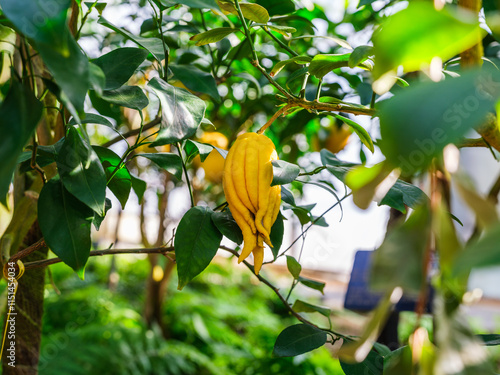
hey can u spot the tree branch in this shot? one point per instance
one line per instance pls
(153, 250)
(329, 107)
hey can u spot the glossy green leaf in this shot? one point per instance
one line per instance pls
(226, 224)
(490, 339)
(182, 112)
(196, 242)
(277, 7)
(321, 65)
(153, 45)
(284, 172)
(97, 78)
(301, 306)
(363, 135)
(398, 261)
(81, 171)
(65, 224)
(139, 186)
(119, 65)
(398, 362)
(298, 339)
(127, 96)
(443, 33)
(196, 80)
(53, 40)
(98, 219)
(276, 235)
(19, 115)
(287, 196)
(121, 183)
(213, 35)
(359, 55)
(194, 148)
(313, 284)
(293, 266)
(403, 194)
(172, 163)
(301, 60)
(413, 136)
(373, 364)
(253, 12)
(92, 118)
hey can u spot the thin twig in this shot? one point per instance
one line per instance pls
(188, 182)
(329, 107)
(272, 119)
(283, 45)
(133, 132)
(477, 142)
(38, 245)
(152, 250)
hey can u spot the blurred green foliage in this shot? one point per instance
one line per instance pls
(221, 323)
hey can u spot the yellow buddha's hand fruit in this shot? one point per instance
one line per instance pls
(338, 138)
(213, 165)
(253, 202)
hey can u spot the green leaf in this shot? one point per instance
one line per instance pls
(444, 34)
(276, 235)
(81, 171)
(363, 135)
(313, 284)
(97, 78)
(127, 96)
(196, 80)
(153, 45)
(65, 224)
(119, 65)
(97, 220)
(321, 65)
(253, 12)
(121, 183)
(45, 23)
(490, 339)
(19, 116)
(480, 253)
(172, 163)
(373, 364)
(398, 261)
(402, 193)
(139, 187)
(298, 339)
(412, 136)
(301, 60)
(284, 172)
(277, 7)
(92, 118)
(196, 242)
(201, 4)
(224, 221)
(287, 196)
(7, 40)
(194, 148)
(301, 306)
(182, 112)
(293, 266)
(213, 35)
(283, 30)
(329, 158)
(359, 55)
